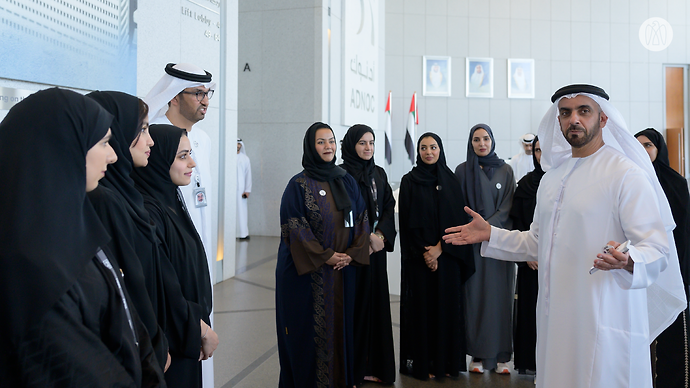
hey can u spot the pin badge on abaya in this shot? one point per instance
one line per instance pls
(322, 193)
(498, 186)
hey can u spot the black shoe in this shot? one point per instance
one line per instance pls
(244, 238)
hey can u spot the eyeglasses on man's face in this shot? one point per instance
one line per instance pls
(200, 94)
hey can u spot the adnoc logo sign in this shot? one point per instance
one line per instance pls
(361, 62)
(656, 34)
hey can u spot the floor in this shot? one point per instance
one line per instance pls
(245, 322)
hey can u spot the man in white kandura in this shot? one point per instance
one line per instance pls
(522, 162)
(181, 98)
(477, 78)
(244, 188)
(519, 79)
(593, 329)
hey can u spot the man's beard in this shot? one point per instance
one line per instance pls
(584, 137)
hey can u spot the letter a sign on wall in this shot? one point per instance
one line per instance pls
(360, 62)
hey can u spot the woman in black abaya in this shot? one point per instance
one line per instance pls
(527, 284)
(170, 165)
(374, 352)
(121, 210)
(671, 361)
(432, 326)
(67, 318)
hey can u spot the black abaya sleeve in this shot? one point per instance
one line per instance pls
(519, 217)
(118, 223)
(152, 368)
(681, 234)
(522, 210)
(151, 371)
(683, 249)
(308, 254)
(403, 205)
(82, 341)
(386, 203)
(411, 243)
(182, 326)
(516, 213)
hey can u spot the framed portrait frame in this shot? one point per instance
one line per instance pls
(436, 76)
(479, 77)
(520, 78)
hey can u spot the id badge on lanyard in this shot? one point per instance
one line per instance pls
(199, 193)
(375, 194)
(349, 220)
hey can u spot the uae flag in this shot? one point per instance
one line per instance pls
(389, 134)
(412, 121)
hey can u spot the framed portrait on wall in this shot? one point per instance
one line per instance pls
(479, 77)
(520, 78)
(436, 76)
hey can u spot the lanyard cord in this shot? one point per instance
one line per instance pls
(106, 263)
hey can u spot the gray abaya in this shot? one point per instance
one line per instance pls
(489, 293)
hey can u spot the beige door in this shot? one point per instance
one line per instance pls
(675, 116)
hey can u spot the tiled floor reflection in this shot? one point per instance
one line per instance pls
(245, 322)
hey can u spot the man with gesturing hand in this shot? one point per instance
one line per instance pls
(593, 330)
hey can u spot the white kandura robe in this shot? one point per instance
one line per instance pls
(522, 164)
(201, 216)
(244, 185)
(592, 330)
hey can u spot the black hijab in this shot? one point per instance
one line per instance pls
(661, 163)
(49, 230)
(125, 108)
(530, 183)
(436, 185)
(318, 169)
(360, 169)
(676, 189)
(428, 174)
(437, 175)
(154, 179)
(473, 169)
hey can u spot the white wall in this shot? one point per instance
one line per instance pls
(279, 98)
(584, 41)
(295, 80)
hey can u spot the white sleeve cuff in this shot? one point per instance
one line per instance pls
(637, 279)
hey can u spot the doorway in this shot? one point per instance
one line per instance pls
(676, 115)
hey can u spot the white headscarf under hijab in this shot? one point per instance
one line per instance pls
(169, 86)
(666, 297)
